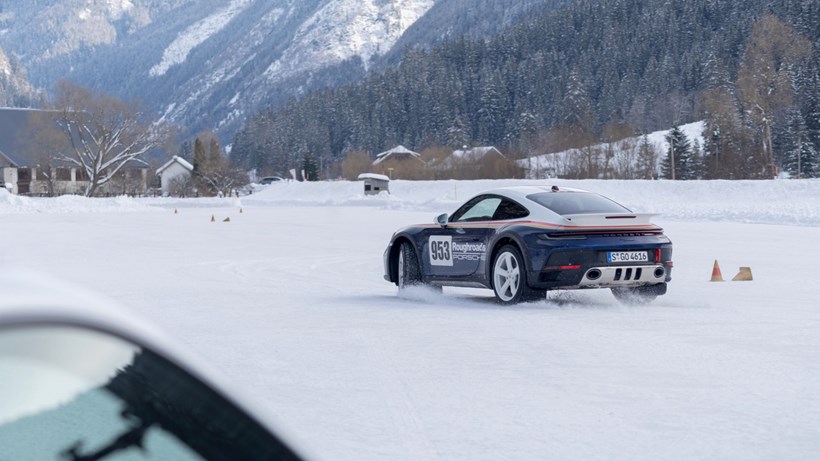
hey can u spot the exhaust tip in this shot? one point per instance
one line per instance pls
(659, 272)
(594, 274)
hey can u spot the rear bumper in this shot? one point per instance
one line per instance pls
(623, 276)
(588, 268)
(610, 277)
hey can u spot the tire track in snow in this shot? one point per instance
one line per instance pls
(403, 413)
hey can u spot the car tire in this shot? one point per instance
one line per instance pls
(509, 278)
(408, 272)
(636, 296)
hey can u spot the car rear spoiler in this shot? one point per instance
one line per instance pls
(610, 219)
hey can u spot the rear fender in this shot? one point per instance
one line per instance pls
(500, 241)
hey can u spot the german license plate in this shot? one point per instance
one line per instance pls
(627, 256)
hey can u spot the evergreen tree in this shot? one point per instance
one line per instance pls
(681, 151)
(698, 163)
(200, 157)
(310, 168)
(811, 104)
(576, 109)
(457, 136)
(184, 150)
(800, 158)
(212, 173)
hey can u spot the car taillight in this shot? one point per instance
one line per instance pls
(563, 268)
(657, 255)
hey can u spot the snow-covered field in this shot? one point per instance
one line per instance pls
(288, 300)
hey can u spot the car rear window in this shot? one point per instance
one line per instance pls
(568, 203)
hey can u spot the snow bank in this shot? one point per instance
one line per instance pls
(14, 204)
(791, 202)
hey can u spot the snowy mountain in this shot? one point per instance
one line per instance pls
(209, 63)
(202, 63)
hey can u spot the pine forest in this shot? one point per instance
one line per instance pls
(587, 72)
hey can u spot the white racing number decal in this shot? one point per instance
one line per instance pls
(441, 250)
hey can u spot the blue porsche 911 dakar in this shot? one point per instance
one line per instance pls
(522, 241)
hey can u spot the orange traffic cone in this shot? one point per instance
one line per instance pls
(716, 276)
(228, 219)
(213, 219)
(744, 275)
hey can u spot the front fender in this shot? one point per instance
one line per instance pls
(391, 253)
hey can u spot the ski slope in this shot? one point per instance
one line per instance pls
(288, 300)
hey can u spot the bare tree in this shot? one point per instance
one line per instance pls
(435, 159)
(182, 186)
(627, 158)
(613, 134)
(647, 160)
(354, 164)
(105, 133)
(765, 76)
(412, 168)
(43, 143)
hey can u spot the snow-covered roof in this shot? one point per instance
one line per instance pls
(380, 177)
(397, 151)
(16, 125)
(176, 159)
(476, 153)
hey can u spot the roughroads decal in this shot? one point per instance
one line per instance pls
(443, 251)
(468, 251)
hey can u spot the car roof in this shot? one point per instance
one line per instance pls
(537, 212)
(524, 191)
(32, 299)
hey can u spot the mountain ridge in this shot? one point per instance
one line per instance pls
(208, 64)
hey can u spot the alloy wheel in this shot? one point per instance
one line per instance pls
(506, 276)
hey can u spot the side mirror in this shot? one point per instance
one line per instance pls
(441, 219)
(97, 394)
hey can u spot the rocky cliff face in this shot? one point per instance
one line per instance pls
(15, 90)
